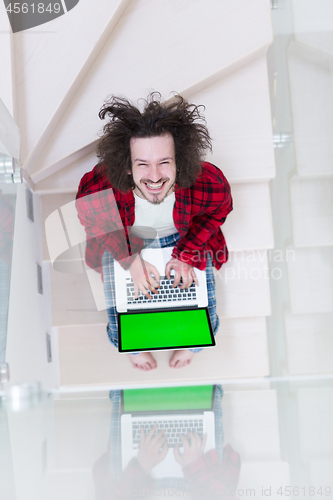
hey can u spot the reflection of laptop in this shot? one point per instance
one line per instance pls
(172, 319)
(178, 410)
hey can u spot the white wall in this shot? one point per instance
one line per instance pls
(29, 316)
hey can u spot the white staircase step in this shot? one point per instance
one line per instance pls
(312, 212)
(55, 64)
(51, 203)
(238, 29)
(310, 275)
(72, 300)
(250, 420)
(68, 179)
(309, 343)
(244, 347)
(238, 115)
(314, 409)
(242, 285)
(241, 352)
(249, 226)
(310, 87)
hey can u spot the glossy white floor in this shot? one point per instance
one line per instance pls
(59, 446)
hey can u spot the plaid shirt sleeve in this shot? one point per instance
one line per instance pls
(208, 202)
(132, 482)
(204, 474)
(98, 212)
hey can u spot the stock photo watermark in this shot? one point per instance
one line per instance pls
(25, 15)
(246, 265)
(263, 491)
(255, 265)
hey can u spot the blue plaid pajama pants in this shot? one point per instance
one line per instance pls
(110, 294)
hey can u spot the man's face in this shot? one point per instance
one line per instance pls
(153, 167)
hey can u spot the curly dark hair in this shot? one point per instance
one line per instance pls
(175, 116)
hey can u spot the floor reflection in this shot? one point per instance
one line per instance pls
(167, 439)
(265, 439)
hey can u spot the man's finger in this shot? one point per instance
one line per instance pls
(143, 435)
(203, 444)
(153, 285)
(185, 442)
(195, 279)
(144, 287)
(158, 436)
(163, 440)
(176, 281)
(164, 452)
(197, 440)
(190, 438)
(151, 432)
(167, 271)
(156, 274)
(187, 281)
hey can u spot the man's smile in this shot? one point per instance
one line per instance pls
(154, 186)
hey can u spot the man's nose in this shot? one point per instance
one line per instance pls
(155, 173)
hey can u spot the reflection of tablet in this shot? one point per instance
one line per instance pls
(164, 330)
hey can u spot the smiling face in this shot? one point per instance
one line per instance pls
(153, 167)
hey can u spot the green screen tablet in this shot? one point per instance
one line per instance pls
(175, 329)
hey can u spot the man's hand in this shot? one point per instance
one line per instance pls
(192, 450)
(142, 276)
(153, 448)
(182, 270)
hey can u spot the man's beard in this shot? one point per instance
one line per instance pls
(156, 201)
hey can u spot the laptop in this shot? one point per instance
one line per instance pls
(172, 319)
(177, 410)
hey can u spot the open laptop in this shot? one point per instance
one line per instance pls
(178, 410)
(195, 296)
(172, 319)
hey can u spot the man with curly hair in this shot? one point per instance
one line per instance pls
(152, 174)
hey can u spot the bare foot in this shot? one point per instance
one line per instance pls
(181, 358)
(143, 361)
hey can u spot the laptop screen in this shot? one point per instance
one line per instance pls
(168, 399)
(177, 329)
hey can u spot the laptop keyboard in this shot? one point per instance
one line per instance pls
(173, 429)
(165, 293)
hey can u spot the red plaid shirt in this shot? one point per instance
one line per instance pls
(108, 214)
(205, 478)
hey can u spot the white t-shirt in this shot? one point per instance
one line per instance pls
(158, 217)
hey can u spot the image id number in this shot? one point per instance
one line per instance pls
(32, 8)
(295, 491)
